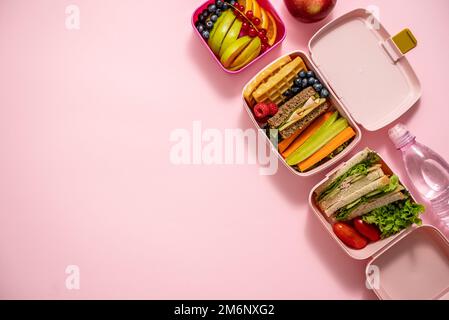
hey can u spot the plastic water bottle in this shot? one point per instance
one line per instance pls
(428, 171)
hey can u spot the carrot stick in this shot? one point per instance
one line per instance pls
(341, 138)
(306, 134)
(283, 145)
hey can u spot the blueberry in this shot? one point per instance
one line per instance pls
(324, 93)
(298, 82)
(219, 3)
(225, 6)
(213, 18)
(205, 34)
(211, 8)
(305, 83)
(318, 87)
(201, 17)
(218, 12)
(310, 74)
(205, 13)
(302, 74)
(200, 28)
(316, 81)
(287, 93)
(209, 25)
(295, 90)
(232, 2)
(311, 81)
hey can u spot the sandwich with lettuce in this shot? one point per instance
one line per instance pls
(361, 188)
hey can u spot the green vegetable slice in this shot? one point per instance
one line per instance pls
(323, 135)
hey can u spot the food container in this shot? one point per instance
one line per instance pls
(370, 80)
(281, 33)
(413, 264)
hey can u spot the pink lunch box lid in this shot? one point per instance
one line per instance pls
(365, 69)
(281, 33)
(416, 266)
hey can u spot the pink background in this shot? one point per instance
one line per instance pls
(85, 176)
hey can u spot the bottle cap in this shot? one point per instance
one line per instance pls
(400, 135)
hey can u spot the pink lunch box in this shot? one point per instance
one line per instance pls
(351, 59)
(413, 264)
(371, 83)
(281, 33)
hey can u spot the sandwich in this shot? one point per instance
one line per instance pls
(357, 188)
(298, 112)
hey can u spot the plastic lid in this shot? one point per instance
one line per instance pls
(400, 136)
(414, 267)
(365, 68)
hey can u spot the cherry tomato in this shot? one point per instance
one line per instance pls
(349, 236)
(367, 230)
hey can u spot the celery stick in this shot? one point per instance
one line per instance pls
(329, 121)
(323, 127)
(317, 141)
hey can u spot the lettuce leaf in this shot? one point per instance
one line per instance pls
(395, 217)
(393, 185)
(360, 168)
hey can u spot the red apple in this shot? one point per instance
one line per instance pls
(310, 10)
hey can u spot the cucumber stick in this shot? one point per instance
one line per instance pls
(323, 135)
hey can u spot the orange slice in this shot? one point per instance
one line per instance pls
(265, 21)
(248, 4)
(256, 9)
(271, 30)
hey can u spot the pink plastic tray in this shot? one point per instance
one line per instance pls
(281, 33)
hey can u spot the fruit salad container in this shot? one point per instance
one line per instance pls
(413, 264)
(369, 80)
(231, 32)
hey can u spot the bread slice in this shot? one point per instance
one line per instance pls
(369, 206)
(306, 121)
(348, 198)
(291, 105)
(348, 188)
(359, 157)
(262, 77)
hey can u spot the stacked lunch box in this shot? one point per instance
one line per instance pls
(412, 263)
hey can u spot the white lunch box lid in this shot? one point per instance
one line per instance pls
(366, 68)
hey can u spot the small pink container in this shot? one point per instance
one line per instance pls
(371, 83)
(281, 32)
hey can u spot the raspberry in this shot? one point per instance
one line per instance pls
(273, 108)
(261, 110)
